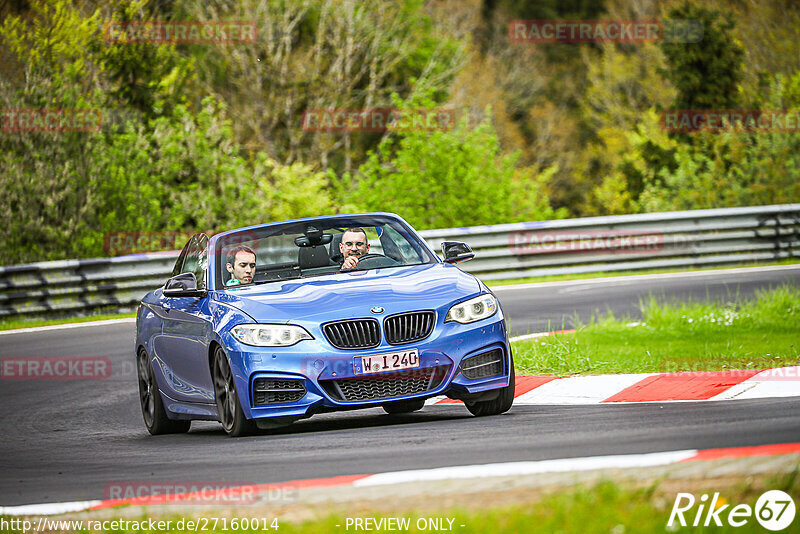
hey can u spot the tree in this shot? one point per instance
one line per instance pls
(449, 178)
(157, 161)
(729, 168)
(321, 55)
(706, 73)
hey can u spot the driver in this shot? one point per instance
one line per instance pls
(241, 263)
(354, 245)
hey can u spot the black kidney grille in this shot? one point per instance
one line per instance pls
(483, 365)
(353, 334)
(408, 327)
(272, 391)
(386, 385)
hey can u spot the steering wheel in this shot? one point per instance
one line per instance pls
(376, 261)
(367, 258)
(370, 256)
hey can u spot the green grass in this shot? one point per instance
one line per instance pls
(606, 507)
(601, 274)
(761, 332)
(11, 324)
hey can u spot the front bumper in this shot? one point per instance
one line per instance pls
(327, 374)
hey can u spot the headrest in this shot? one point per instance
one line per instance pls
(310, 257)
(336, 255)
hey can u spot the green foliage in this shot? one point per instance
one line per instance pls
(141, 76)
(624, 91)
(186, 171)
(291, 191)
(706, 73)
(449, 178)
(157, 163)
(725, 169)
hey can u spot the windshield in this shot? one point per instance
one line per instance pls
(316, 248)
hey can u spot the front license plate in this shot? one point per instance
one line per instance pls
(391, 361)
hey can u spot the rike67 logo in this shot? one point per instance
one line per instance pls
(774, 510)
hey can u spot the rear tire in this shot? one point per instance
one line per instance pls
(229, 407)
(499, 405)
(407, 406)
(153, 412)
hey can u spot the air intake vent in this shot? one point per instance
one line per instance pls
(483, 365)
(272, 391)
(353, 334)
(386, 385)
(408, 327)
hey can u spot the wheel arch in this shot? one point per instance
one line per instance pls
(212, 348)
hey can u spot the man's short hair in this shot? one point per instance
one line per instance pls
(230, 256)
(356, 230)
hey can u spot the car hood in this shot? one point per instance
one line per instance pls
(353, 294)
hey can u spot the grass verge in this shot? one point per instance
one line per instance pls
(761, 332)
(607, 507)
(11, 324)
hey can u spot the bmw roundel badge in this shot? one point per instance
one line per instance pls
(376, 309)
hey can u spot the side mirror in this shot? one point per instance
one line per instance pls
(456, 252)
(183, 285)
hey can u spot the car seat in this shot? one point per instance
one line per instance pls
(314, 256)
(335, 253)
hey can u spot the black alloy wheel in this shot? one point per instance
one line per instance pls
(229, 409)
(153, 412)
(499, 405)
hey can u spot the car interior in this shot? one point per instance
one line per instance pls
(317, 252)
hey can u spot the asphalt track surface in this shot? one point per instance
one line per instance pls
(67, 440)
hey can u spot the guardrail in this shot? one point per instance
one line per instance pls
(681, 239)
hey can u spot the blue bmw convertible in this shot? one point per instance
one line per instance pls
(261, 326)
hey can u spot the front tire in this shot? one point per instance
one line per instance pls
(499, 405)
(407, 406)
(229, 408)
(153, 412)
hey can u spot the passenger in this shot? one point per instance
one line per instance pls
(241, 263)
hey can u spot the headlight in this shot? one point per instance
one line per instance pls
(475, 309)
(269, 335)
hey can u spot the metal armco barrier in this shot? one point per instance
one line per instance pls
(681, 239)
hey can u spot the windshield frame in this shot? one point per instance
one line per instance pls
(368, 220)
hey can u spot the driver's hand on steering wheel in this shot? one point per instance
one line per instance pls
(350, 262)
